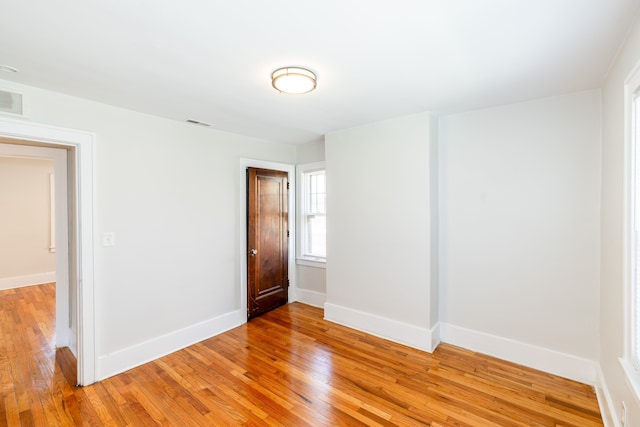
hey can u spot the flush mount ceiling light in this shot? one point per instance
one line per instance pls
(294, 80)
(8, 69)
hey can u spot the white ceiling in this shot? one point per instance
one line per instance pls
(211, 60)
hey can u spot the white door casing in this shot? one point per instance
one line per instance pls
(84, 145)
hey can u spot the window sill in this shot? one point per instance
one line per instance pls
(632, 378)
(311, 263)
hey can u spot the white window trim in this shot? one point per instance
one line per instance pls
(301, 259)
(631, 91)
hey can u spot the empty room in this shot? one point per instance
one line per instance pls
(318, 214)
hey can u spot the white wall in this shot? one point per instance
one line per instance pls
(312, 278)
(611, 288)
(379, 257)
(311, 152)
(520, 219)
(171, 193)
(25, 221)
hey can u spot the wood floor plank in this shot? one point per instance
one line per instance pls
(288, 367)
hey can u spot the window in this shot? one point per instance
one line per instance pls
(631, 358)
(633, 300)
(312, 214)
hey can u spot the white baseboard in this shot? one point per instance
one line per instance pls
(605, 402)
(128, 358)
(67, 337)
(313, 298)
(28, 280)
(435, 337)
(392, 330)
(73, 342)
(543, 359)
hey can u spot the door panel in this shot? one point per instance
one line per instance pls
(267, 240)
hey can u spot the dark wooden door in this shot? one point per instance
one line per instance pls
(267, 240)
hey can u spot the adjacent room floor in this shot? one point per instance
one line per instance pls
(288, 367)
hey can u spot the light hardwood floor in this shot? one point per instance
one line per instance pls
(286, 368)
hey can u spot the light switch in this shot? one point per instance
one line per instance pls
(109, 239)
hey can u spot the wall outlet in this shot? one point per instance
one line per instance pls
(623, 415)
(109, 239)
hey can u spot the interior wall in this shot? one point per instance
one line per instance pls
(520, 222)
(312, 278)
(170, 191)
(378, 227)
(612, 305)
(311, 152)
(25, 219)
(309, 278)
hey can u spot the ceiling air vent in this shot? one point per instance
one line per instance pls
(11, 103)
(196, 122)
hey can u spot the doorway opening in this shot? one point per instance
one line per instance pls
(245, 164)
(76, 262)
(267, 240)
(36, 278)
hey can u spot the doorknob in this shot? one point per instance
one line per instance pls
(253, 252)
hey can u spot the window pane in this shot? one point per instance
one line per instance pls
(316, 236)
(320, 203)
(317, 192)
(320, 182)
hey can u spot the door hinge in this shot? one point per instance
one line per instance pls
(287, 233)
(288, 185)
(288, 283)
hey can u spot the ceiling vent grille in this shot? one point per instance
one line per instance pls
(11, 103)
(196, 122)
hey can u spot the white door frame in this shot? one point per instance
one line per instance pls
(84, 144)
(291, 171)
